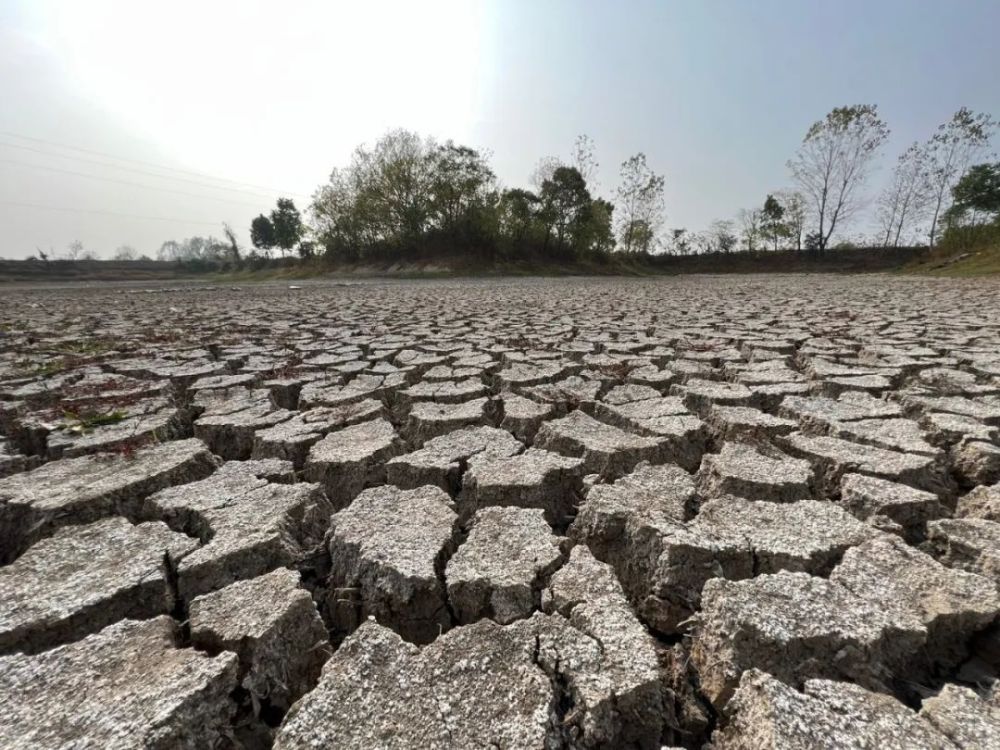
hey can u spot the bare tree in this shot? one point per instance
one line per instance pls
(584, 159)
(722, 236)
(833, 163)
(640, 205)
(907, 197)
(544, 170)
(951, 150)
(750, 224)
(75, 250)
(234, 246)
(126, 252)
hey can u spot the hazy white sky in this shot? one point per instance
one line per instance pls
(243, 101)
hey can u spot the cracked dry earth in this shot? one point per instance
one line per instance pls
(724, 512)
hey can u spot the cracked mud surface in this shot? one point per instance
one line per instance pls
(710, 512)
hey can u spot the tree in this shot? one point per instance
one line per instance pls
(721, 237)
(126, 252)
(640, 200)
(978, 191)
(262, 233)
(907, 196)
(794, 204)
(564, 198)
(287, 224)
(772, 221)
(75, 250)
(584, 159)
(464, 195)
(833, 163)
(951, 150)
(593, 233)
(750, 223)
(544, 170)
(234, 246)
(517, 215)
(680, 242)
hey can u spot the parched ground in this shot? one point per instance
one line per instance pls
(726, 512)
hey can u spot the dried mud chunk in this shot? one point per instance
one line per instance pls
(807, 536)
(273, 626)
(701, 395)
(79, 490)
(833, 457)
(386, 550)
(963, 717)
(981, 502)
(533, 479)
(348, 460)
(617, 686)
(522, 417)
(475, 686)
(746, 424)
(442, 460)
(499, 569)
(291, 440)
(84, 578)
(869, 497)
(892, 434)
(766, 714)
(661, 562)
(429, 420)
(744, 471)
(796, 627)
(951, 604)
(126, 686)
(230, 434)
(976, 462)
(247, 524)
(971, 544)
(605, 450)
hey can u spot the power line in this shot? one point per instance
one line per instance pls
(141, 171)
(125, 182)
(39, 206)
(67, 147)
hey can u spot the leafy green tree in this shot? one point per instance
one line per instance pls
(464, 195)
(978, 192)
(287, 224)
(262, 233)
(565, 199)
(593, 233)
(833, 163)
(772, 221)
(518, 216)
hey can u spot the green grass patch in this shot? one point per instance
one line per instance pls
(963, 264)
(87, 421)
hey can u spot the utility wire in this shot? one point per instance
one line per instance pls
(39, 206)
(19, 136)
(269, 195)
(126, 182)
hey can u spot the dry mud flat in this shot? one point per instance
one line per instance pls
(698, 512)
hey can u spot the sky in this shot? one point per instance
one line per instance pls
(133, 123)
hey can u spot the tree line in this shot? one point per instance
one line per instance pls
(410, 197)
